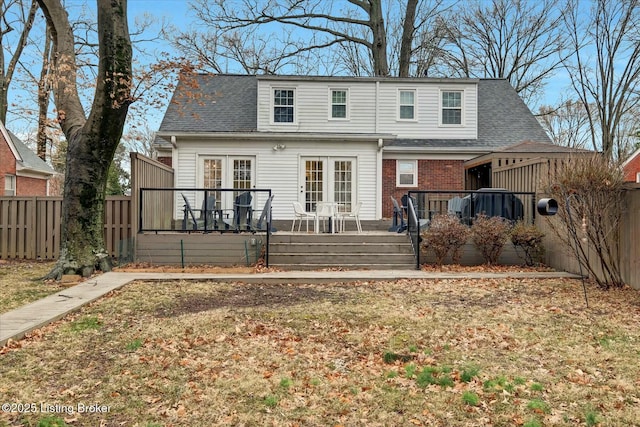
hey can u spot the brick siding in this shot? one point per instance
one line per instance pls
(166, 160)
(432, 175)
(31, 186)
(631, 169)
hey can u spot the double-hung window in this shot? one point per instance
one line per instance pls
(9, 185)
(451, 113)
(406, 173)
(283, 105)
(407, 104)
(339, 106)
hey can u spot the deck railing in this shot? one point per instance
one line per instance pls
(206, 210)
(422, 206)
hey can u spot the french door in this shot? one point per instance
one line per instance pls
(327, 179)
(227, 172)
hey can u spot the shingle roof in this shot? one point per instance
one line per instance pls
(213, 103)
(228, 103)
(29, 159)
(503, 120)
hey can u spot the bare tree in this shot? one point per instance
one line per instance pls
(605, 69)
(518, 40)
(15, 14)
(267, 36)
(567, 124)
(93, 139)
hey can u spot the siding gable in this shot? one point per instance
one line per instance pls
(372, 107)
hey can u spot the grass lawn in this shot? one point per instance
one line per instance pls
(430, 353)
(18, 284)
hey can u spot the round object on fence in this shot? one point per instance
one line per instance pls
(547, 207)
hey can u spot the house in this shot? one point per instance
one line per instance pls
(631, 167)
(337, 139)
(22, 173)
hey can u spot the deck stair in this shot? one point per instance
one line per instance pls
(350, 251)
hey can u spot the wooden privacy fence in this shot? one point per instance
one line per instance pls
(30, 227)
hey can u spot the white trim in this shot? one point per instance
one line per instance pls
(272, 105)
(12, 147)
(631, 157)
(14, 180)
(347, 104)
(440, 109)
(400, 105)
(414, 174)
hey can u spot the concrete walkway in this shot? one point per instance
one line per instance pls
(17, 323)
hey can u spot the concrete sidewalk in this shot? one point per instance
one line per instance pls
(17, 323)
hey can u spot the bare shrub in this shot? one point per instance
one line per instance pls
(590, 195)
(489, 235)
(445, 235)
(527, 238)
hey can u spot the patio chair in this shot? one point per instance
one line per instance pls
(354, 214)
(189, 220)
(398, 218)
(265, 217)
(242, 211)
(300, 214)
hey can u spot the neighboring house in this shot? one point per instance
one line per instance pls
(631, 167)
(22, 173)
(341, 139)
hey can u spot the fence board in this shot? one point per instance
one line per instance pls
(30, 226)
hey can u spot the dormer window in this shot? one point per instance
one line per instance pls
(407, 104)
(451, 112)
(283, 105)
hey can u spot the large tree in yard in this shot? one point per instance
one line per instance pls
(92, 138)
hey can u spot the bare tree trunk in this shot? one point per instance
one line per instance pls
(379, 45)
(44, 90)
(408, 30)
(92, 141)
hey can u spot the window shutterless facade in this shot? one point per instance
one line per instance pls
(284, 106)
(451, 107)
(406, 173)
(339, 104)
(407, 105)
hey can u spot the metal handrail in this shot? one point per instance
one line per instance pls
(413, 224)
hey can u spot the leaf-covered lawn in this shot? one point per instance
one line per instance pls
(19, 284)
(443, 353)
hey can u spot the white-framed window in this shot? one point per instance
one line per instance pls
(406, 104)
(284, 101)
(339, 104)
(406, 173)
(638, 177)
(451, 107)
(9, 185)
